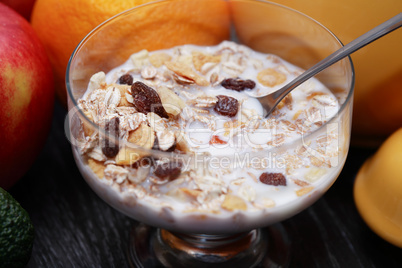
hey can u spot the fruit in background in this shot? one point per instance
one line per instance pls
(16, 233)
(378, 190)
(23, 7)
(61, 25)
(378, 90)
(26, 96)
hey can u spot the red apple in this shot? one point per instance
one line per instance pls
(26, 96)
(23, 7)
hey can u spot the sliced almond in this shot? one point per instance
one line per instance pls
(140, 58)
(267, 202)
(86, 126)
(166, 139)
(181, 142)
(264, 202)
(190, 193)
(117, 173)
(124, 91)
(182, 80)
(304, 191)
(184, 59)
(184, 194)
(144, 137)
(112, 96)
(186, 72)
(247, 192)
(139, 174)
(97, 154)
(213, 79)
(199, 59)
(97, 81)
(149, 72)
(314, 174)
(156, 122)
(172, 103)
(159, 58)
(207, 67)
(233, 202)
(127, 156)
(97, 167)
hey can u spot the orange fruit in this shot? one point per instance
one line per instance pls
(377, 110)
(62, 24)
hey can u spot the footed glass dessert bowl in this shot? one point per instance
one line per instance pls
(166, 128)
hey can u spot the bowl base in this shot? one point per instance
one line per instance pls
(260, 248)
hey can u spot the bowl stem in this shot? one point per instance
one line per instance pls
(153, 247)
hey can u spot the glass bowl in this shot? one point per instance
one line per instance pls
(168, 233)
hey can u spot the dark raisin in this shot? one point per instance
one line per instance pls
(168, 170)
(125, 79)
(146, 100)
(109, 147)
(273, 179)
(226, 106)
(238, 84)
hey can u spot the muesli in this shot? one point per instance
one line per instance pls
(198, 102)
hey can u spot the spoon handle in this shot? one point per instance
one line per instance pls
(372, 35)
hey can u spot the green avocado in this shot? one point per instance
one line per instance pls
(16, 233)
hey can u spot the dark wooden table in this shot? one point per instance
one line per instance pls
(75, 228)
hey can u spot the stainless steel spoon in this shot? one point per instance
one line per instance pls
(270, 101)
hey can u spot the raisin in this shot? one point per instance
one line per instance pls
(125, 79)
(110, 148)
(168, 170)
(238, 84)
(146, 100)
(273, 179)
(226, 106)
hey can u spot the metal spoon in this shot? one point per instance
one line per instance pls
(270, 101)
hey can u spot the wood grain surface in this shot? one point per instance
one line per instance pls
(75, 228)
